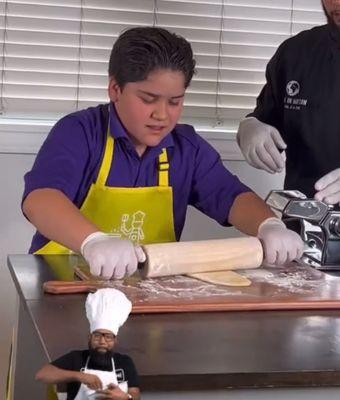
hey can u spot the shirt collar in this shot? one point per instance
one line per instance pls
(118, 131)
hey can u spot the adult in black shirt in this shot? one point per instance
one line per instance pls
(298, 111)
(68, 369)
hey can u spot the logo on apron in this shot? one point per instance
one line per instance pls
(131, 227)
(120, 375)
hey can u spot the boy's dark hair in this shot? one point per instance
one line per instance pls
(139, 51)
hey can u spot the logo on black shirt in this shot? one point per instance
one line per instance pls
(293, 88)
(290, 103)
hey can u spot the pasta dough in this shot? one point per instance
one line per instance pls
(225, 278)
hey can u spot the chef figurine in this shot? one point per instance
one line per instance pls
(130, 160)
(98, 373)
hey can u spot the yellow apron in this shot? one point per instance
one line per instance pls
(142, 214)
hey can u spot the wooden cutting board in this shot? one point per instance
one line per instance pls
(292, 287)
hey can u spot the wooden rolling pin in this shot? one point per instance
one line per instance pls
(201, 256)
(181, 258)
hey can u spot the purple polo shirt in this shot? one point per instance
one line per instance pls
(70, 158)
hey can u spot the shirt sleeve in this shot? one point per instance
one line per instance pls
(70, 361)
(214, 188)
(268, 104)
(62, 159)
(131, 372)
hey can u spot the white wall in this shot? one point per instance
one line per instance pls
(15, 234)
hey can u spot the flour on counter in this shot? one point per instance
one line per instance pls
(175, 287)
(295, 279)
(266, 282)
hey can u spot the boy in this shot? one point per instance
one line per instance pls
(110, 178)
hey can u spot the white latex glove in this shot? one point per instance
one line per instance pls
(260, 144)
(328, 187)
(281, 245)
(111, 257)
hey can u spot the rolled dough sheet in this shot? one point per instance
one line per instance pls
(225, 278)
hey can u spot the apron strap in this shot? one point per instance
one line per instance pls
(107, 160)
(87, 362)
(163, 166)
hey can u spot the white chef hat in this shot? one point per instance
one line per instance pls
(107, 309)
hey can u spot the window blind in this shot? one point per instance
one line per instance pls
(54, 53)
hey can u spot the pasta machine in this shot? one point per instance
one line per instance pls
(316, 222)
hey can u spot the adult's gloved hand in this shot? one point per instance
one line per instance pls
(111, 257)
(281, 245)
(328, 187)
(261, 144)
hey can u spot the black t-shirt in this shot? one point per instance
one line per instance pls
(302, 100)
(76, 360)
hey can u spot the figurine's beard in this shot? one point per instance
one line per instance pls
(99, 360)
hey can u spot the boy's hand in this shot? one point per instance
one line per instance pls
(111, 257)
(113, 392)
(90, 380)
(281, 245)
